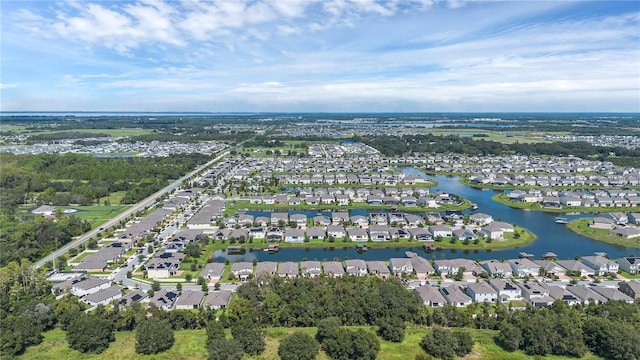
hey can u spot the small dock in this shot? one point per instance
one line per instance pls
(361, 247)
(524, 255)
(410, 254)
(561, 220)
(273, 248)
(234, 250)
(549, 255)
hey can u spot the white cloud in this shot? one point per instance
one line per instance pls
(7, 86)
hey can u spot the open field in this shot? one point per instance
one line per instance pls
(505, 137)
(96, 215)
(581, 226)
(190, 344)
(22, 129)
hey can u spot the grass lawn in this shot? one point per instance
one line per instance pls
(581, 226)
(626, 275)
(96, 215)
(190, 344)
(504, 137)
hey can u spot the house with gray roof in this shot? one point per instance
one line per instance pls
(558, 292)
(600, 264)
(333, 268)
(103, 297)
(576, 267)
(217, 300)
(288, 269)
(134, 296)
(242, 270)
(586, 294)
(536, 294)
(316, 233)
(212, 271)
(82, 285)
(496, 268)
(612, 294)
(310, 268)
(356, 267)
(630, 264)
(431, 296)
(550, 267)
(507, 290)
(421, 267)
(378, 268)
(455, 296)
(630, 288)
(481, 292)
(266, 267)
(524, 267)
(164, 299)
(401, 266)
(190, 299)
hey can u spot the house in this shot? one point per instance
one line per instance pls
(310, 268)
(524, 267)
(586, 294)
(316, 233)
(164, 299)
(82, 285)
(132, 297)
(630, 288)
(336, 231)
(212, 271)
(379, 233)
(401, 266)
(217, 300)
(420, 234)
(421, 267)
(612, 294)
(288, 269)
(558, 292)
(339, 217)
(455, 296)
(104, 296)
(190, 299)
(356, 267)
(507, 290)
(536, 294)
(294, 235)
(600, 264)
(44, 210)
(279, 219)
(360, 221)
(321, 220)
(627, 232)
(549, 267)
(300, 220)
(266, 267)
(242, 270)
(482, 292)
(629, 264)
(496, 268)
(575, 267)
(164, 266)
(600, 222)
(481, 219)
(440, 231)
(431, 296)
(378, 268)
(464, 234)
(357, 234)
(333, 268)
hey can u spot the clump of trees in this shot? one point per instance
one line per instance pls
(298, 346)
(90, 333)
(153, 336)
(446, 344)
(344, 344)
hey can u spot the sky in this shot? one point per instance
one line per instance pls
(320, 56)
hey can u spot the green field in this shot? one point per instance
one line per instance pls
(96, 215)
(24, 129)
(505, 137)
(190, 344)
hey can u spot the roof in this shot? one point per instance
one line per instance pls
(103, 294)
(288, 268)
(333, 267)
(212, 270)
(268, 267)
(190, 298)
(430, 294)
(482, 288)
(218, 298)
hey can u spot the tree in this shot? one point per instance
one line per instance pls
(249, 335)
(225, 349)
(509, 337)
(352, 345)
(153, 336)
(89, 334)
(155, 286)
(464, 342)
(298, 346)
(391, 329)
(439, 343)
(215, 331)
(327, 328)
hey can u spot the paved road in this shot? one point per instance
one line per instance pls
(132, 210)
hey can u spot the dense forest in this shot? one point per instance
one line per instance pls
(83, 179)
(407, 144)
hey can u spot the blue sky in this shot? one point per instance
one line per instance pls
(320, 55)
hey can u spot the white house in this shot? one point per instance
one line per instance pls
(482, 292)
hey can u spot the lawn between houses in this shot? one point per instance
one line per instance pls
(504, 200)
(190, 344)
(581, 226)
